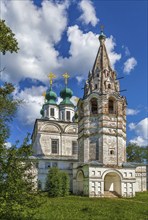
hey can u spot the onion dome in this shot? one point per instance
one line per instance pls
(51, 97)
(66, 94)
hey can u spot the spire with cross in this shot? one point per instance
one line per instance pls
(51, 76)
(66, 76)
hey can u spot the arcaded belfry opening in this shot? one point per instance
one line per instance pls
(80, 179)
(112, 183)
(94, 106)
(111, 106)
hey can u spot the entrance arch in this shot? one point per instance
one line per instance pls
(80, 178)
(112, 182)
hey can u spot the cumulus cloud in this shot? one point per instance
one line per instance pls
(38, 30)
(88, 13)
(130, 111)
(129, 65)
(141, 131)
(32, 101)
(83, 50)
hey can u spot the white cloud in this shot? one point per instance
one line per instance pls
(83, 50)
(129, 65)
(127, 51)
(37, 31)
(8, 145)
(141, 130)
(88, 13)
(130, 111)
(32, 101)
(73, 99)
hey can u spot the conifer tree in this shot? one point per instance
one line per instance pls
(57, 183)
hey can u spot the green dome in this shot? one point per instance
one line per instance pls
(51, 96)
(102, 36)
(66, 94)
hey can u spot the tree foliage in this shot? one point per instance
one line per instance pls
(18, 195)
(57, 183)
(7, 40)
(8, 108)
(136, 153)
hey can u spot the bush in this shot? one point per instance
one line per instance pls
(57, 183)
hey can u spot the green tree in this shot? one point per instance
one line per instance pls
(7, 40)
(57, 183)
(65, 184)
(136, 153)
(8, 108)
(18, 195)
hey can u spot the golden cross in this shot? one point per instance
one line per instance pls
(66, 76)
(51, 76)
(102, 27)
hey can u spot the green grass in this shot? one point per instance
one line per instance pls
(84, 208)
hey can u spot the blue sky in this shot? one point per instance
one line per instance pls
(61, 36)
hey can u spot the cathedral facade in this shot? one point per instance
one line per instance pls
(88, 142)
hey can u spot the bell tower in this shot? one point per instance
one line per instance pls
(102, 114)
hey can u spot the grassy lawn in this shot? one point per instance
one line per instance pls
(76, 207)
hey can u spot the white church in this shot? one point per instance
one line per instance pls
(88, 141)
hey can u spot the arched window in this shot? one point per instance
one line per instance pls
(94, 106)
(111, 106)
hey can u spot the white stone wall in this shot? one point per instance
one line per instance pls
(107, 131)
(44, 165)
(122, 181)
(63, 110)
(47, 112)
(141, 179)
(65, 133)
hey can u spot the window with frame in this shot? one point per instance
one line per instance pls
(54, 146)
(68, 115)
(74, 147)
(111, 106)
(94, 106)
(52, 112)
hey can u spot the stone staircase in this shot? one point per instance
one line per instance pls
(111, 194)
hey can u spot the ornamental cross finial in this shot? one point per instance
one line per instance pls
(66, 76)
(51, 76)
(102, 27)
